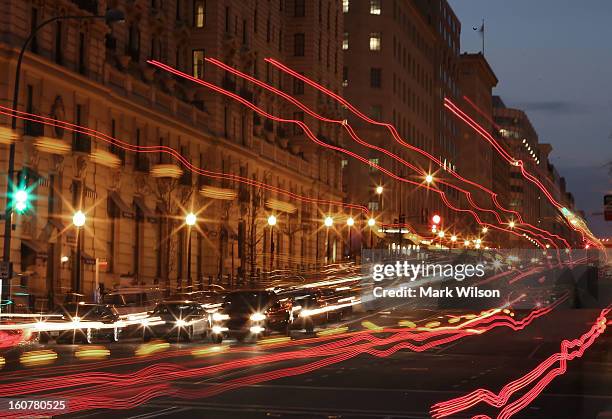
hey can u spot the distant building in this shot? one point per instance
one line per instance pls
(394, 59)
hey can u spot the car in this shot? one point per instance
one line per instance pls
(133, 301)
(82, 322)
(309, 309)
(252, 313)
(179, 319)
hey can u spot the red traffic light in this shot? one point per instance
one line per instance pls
(436, 219)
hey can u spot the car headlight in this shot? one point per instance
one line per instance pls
(181, 322)
(217, 317)
(257, 317)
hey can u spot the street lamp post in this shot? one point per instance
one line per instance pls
(112, 15)
(271, 223)
(78, 219)
(371, 223)
(328, 222)
(190, 220)
(350, 222)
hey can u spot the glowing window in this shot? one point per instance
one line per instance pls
(375, 7)
(375, 41)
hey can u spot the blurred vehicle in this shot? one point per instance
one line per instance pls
(82, 322)
(181, 320)
(131, 301)
(309, 309)
(251, 313)
(340, 300)
(209, 298)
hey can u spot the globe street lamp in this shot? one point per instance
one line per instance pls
(190, 220)
(111, 16)
(328, 222)
(78, 220)
(371, 224)
(350, 222)
(271, 223)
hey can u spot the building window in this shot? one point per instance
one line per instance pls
(345, 6)
(374, 161)
(344, 76)
(198, 14)
(82, 64)
(373, 206)
(300, 8)
(198, 63)
(375, 41)
(345, 41)
(298, 86)
(375, 7)
(376, 78)
(134, 43)
(299, 41)
(343, 163)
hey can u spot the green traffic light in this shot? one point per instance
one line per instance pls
(21, 198)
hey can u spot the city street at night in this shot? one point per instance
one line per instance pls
(313, 209)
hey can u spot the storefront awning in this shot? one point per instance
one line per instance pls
(38, 247)
(140, 203)
(124, 209)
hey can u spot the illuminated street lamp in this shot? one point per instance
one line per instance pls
(371, 224)
(484, 230)
(441, 234)
(379, 190)
(429, 178)
(466, 243)
(453, 238)
(190, 220)
(436, 219)
(350, 222)
(271, 223)
(78, 219)
(328, 222)
(511, 224)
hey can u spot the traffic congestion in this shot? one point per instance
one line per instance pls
(206, 313)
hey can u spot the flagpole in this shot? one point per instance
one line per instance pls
(483, 36)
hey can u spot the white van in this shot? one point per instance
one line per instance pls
(134, 300)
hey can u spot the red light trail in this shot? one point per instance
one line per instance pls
(518, 163)
(313, 138)
(357, 139)
(335, 351)
(570, 349)
(395, 135)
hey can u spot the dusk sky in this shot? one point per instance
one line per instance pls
(554, 60)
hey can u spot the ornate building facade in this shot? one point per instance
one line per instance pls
(95, 75)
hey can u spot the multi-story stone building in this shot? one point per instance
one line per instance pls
(391, 75)
(94, 75)
(479, 161)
